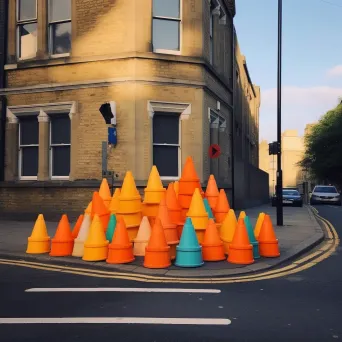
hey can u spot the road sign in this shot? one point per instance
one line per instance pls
(214, 151)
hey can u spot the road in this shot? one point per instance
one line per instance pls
(305, 306)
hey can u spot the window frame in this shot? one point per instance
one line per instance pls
(52, 146)
(20, 149)
(180, 33)
(211, 36)
(51, 25)
(19, 23)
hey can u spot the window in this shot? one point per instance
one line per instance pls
(211, 37)
(28, 147)
(59, 146)
(26, 29)
(166, 26)
(166, 144)
(59, 27)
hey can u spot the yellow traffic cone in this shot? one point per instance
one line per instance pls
(104, 192)
(227, 229)
(114, 203)
(142, 238)
(96, 245)
(89, 208)
(242, 215)
(258, 225)
(154, 190)
(39, 241)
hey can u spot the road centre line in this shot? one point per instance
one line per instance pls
(117, 320)
(122, 289)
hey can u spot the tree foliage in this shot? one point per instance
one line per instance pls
(323, 148)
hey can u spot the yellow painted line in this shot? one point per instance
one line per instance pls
(328, 248)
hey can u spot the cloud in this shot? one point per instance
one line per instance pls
(300, 106)
(336, 71)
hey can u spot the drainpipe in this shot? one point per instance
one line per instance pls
(233, 116)
(4, 29)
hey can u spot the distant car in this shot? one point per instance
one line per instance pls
(290, 198)
(325, 194)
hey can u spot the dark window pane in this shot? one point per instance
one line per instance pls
(27, 9)
(61, 38)
(60, 129)
(27, 41)
(59, 10)
(166, 160)
(166, 129)
(29, 161)
(165, 34)
(29, 130)
(166, 8)
(61, 161)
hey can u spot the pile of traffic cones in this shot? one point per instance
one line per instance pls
(180, 223)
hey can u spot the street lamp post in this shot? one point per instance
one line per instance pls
(279, 170)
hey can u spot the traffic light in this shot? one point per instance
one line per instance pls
(108, 112)
(273, 148)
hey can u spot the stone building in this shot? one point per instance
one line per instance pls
(173, 71)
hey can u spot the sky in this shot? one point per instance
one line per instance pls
(312, 58)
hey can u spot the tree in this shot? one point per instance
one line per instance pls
(323, 148)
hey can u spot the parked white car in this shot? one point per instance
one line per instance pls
(325, 194)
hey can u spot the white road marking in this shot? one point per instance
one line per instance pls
(120, 289)
(117, 320)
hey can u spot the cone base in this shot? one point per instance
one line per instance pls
(189, 258)
(173, 246)
(150, 209)
(139, 248)
(98, 253)
(38, 247)
(240, 255)
(157, 258)
(213, 253)
(61, 248)
(132, 232)
(119, 254)
(78, 249)
(129, 206)
(154, 196)
(269, 249)
(131, 220)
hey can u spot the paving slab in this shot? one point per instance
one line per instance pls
(300, 233)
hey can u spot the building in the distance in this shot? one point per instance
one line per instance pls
(174, 73)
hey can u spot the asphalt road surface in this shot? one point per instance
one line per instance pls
(306, 306)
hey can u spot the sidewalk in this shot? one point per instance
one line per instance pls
(300, 233)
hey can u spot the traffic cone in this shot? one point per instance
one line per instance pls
(120, 251)
(258, 225)
(77, 227)
(227, 230)
(208, 209)
(104, 192)
(212, 192)
(175, 210)
(251, 237)
(157, 252)
(240, 250)
(189, 251)
(78, 249)
(212, 246)
(100, 209)
(89, 208)
(63, 242)
(176, 187)
(114, 203)
(202, 192)
(268, 242)
(111, 228)
(154, 190)
(96, 245)
(144, 234)
(222, 207)
(170, 229)
(242, 215)
(39, 241)
(198, 215)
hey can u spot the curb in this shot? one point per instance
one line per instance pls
(253, 269)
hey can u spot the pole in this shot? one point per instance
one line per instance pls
(279, 170)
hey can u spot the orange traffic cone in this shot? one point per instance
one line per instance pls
(242, 215)
(258, 225)
(170, 229)
(176, 187)
(104, 192)
(114, 203)
(63, 242)
(212, 192)
(268, 242)
(39, 241)
(212, 246)
(120, 251)
(222, 207)
(240, 250)
(175, 210)
(157, 254)
(77, 227)
(100, 209)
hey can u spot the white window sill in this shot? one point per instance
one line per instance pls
(10, 66)
(165, 178)
(62, 55)
(167, 52)
(25, 178)
(59, 177)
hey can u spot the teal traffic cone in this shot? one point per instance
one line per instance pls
(189, 251)
(208, 209)
(252, 238)
(111, 228)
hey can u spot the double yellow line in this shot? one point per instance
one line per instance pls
(326, 249)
